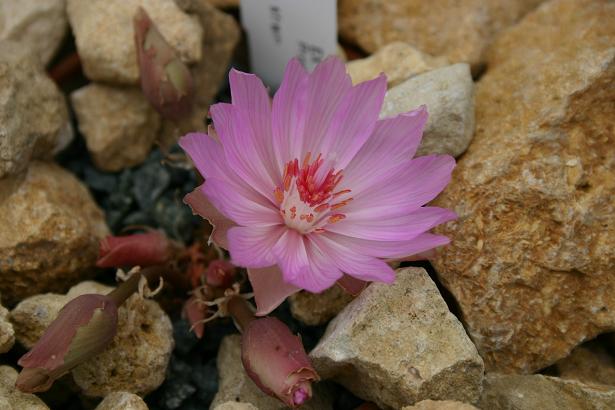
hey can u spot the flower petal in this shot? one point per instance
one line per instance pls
(241, 149)
(237, 207)
(392, 250)
(353, 122)
(251, 246)
(200, 205)
(253, 108)
(358, 265)
(270, 289)
(396, 228)
(287, 113)
(408, 186)
(326, 88)
(393, 141)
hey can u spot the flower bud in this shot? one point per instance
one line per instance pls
(165, 80)
(83, 328)
(220, 273)
(276, 361)
(146, 249)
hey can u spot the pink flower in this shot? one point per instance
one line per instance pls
(312, 186)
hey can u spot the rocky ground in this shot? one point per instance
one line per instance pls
(516, 313)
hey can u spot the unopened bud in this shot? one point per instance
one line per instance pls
(83, 328)
(220, 273)
(276, 361)
(165, 79)
(146, 249)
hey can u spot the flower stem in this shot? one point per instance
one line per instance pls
(241, 311)
(126, 289)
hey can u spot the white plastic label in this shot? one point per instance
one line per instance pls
(279, 30)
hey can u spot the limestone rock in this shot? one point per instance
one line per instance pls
(33, 113)
(135, 361)
(50, 228)
(118, 123)
(440, 405)
(122, 401)
(398, 60)
(317, 309)
(506, 392)
(448, 93)
(236, 386)
(105, 38)
(221, 35)
(13, 399)
(398, 344)
(233, 405)
(459, 30)
(7, 334)
(588, 363)
(40, 25)
(532, 255)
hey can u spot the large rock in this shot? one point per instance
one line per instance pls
(50, 228)
(13, 399)
(518, 392)
(118, 123)
(33, 113)
(532, 255)
(398, 344)
(315, 309)
(235, 385)
(448, 93)
(40, 25)
(233, 405)
(122, 401)
(7, 334)
(398, 60)
(588, 363)
(105, 37)
(459, 30)
(221, 35)
(135, 361)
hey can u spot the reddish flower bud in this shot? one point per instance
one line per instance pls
(276, 361)
(352, 285)
(146, 249)
(165, 79)
(220, 273)
(83, 328)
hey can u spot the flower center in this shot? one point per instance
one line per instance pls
(308, 198)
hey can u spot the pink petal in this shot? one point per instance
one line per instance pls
(235, 206)
(396, 228)
(327, 86)
(208, 156)
(270, 289)
(354, 121)
(251, 246)
(200, 205)
(352, 285)
(358, 265)
(287, 113)
(393, 141)
(390, 249)
(253, 108)
(408, 186)
(303, 264)
(242, 150)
